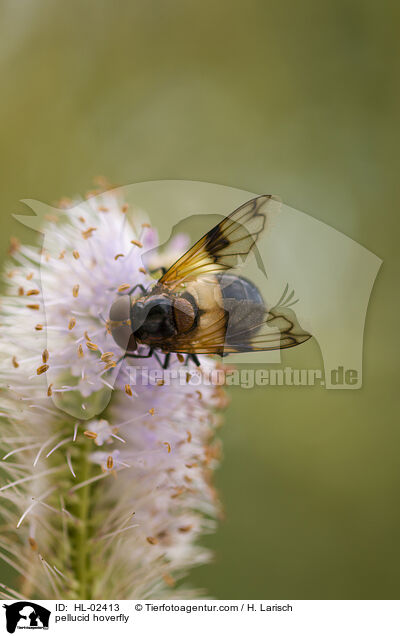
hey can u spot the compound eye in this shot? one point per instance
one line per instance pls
(120, 331)
(184, 314)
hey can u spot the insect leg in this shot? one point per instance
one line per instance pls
(133, 355)
(149, 354)
(192, 356)
(142, 289)
(166, 361)
(163, 365)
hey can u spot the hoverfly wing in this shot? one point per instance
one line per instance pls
(252, 327)
(279, 329)
(230, 324)
(225, 245)
(234, 326)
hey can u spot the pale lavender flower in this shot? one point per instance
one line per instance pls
(107, 484)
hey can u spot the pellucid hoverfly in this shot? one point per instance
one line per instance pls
(199, 306)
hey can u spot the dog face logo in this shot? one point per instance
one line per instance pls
(26, 615)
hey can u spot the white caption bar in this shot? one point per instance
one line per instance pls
(176, 618)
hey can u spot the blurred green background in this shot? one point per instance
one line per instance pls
(295, 98)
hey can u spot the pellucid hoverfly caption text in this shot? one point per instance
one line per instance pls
(124, 612)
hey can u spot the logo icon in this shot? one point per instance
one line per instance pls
(26, 615)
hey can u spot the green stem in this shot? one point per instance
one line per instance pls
(82, 560)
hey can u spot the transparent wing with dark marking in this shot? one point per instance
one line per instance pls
(225, 246)
(243, 326)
